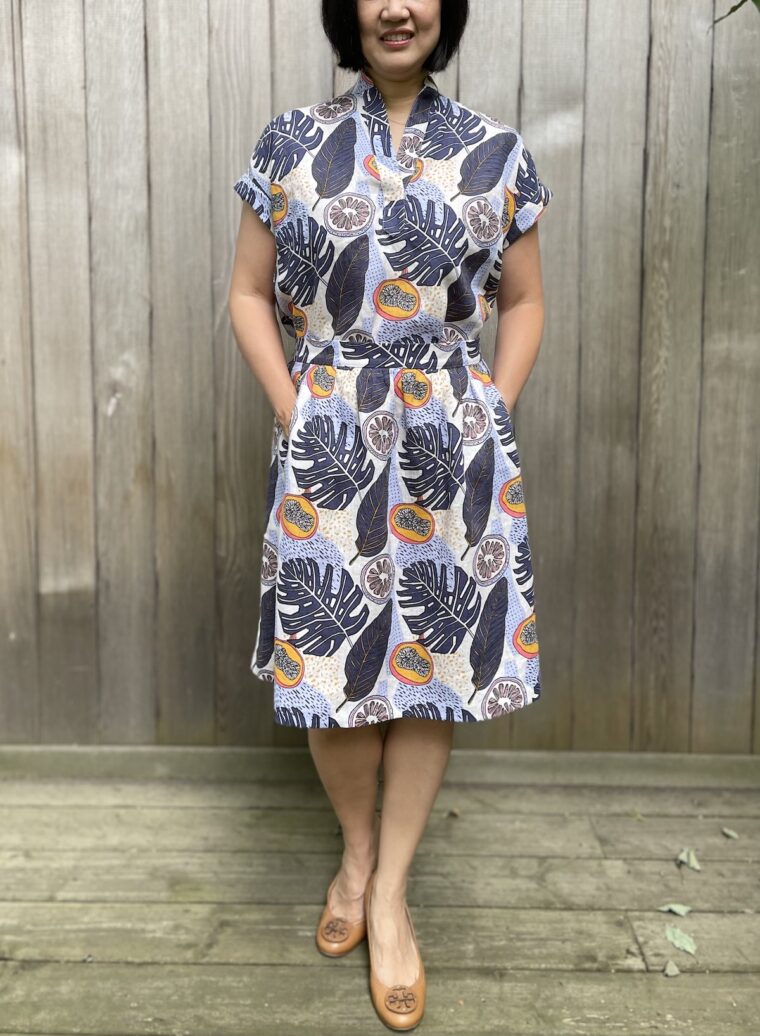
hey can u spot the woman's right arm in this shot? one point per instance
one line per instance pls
(252, 307)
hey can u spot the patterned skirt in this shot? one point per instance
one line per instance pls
(396, 574)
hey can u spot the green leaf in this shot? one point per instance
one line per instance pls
(727, 830)
(689, 857)
(680, 939)
(675, 908)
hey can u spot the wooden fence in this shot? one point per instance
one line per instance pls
(134, 441)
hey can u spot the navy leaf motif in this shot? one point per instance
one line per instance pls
(304, 259)
(345, 289)
(337, 469)
(506, 430)
(433, 240)
(320, 618)
(417, 352)
(459, 378)
(372, 385)
(446, 614)
(478, 493)
(436, 454)
(333, 166)
(376, 121)
(484, 167)
(326, 356)
(291, 135)
(460, 299)
(524, 569)
(488, 642)
(271, 490)
(366, 657)
(266, 628)
(451, 129)
(372, 518)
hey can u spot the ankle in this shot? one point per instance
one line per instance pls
(389, 892)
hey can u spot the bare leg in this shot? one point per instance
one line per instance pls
(347, 762)
(415, 757)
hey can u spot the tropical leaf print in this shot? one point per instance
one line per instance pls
(524, 569)
(478, 494)
(337, 469)
(265, 639)
(271, 490)
(459, 378)
(447, 613)
(376, 120)
(460, 298)
(372, 386)
(417, 352)
(488, 643)
(333, 165)
(433, 239)
(435, 452)
(345, 289)
(326, 356)
(318, 616)
(305, 259)
(372, 518)
(293, 134)
(452, 128)
(484, 167)
(365, 659)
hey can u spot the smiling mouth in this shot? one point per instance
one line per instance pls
(396, 37)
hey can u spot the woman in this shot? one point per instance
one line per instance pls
(382, 226)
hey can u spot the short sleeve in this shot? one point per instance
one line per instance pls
(531, 195)
(254, 185)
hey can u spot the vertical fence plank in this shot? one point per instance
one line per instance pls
(676, 188)
(19, 685)
(59, 271)
(120, 284)
(726, 620)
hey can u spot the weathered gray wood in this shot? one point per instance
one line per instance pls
(59, 270)
(724, 942)
(117, 163)
(183, 374)
(674, 234)
(19, 682)
(467, 798)
(190, 876)
(238, 1000)
(241, 104)
(237, 933)
(665, 837)
(299, 830)
(266, 764)
(727, 623)
(614, 134)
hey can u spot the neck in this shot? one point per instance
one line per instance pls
(397, 92)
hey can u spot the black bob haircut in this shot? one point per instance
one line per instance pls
(341, 27)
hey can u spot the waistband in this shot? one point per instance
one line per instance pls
(362, 351)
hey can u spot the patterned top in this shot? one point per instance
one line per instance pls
(403, 251)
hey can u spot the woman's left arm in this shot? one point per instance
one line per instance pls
(520, 322)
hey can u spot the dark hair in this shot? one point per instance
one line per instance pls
(341, 27)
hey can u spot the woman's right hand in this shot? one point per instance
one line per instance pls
(284, 413)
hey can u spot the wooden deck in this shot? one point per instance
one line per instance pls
(175, 891)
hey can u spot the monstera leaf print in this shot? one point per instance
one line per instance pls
(478, 493)
(484, 167)
(460, 298)
(524, 568)
(291, 136)
(372, 385)
(435, 452)
(372, 518)
(451, 129)
(325, 356)
(417, 352)
(271, 490)
(488, 643)
(345, 289)
(365, 659)
(459, 378)
(318, 616)
(447, 613)
(337, 469)
(305, 258)
(433, 239)
(265, 648)
(333, 167)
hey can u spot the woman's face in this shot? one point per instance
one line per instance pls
(418, 19)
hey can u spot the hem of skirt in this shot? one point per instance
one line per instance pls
(333, 721)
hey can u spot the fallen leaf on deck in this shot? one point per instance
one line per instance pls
(729, 833)
(689, 857)
(670, 969)
(675, 908)
(680, 939)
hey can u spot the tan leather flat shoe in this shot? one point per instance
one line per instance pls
(399, 1007)
(335, 936)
